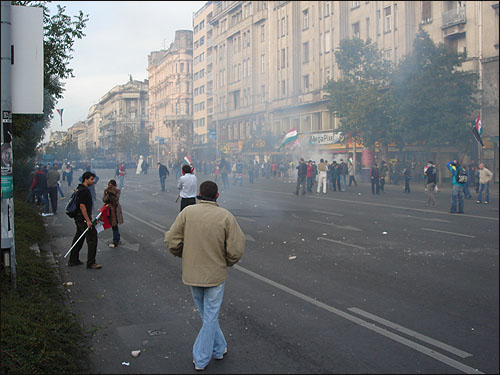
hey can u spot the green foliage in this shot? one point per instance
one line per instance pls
(137, 142)
(362, 99)
(434, 97)
(39, 335)
(60, 33)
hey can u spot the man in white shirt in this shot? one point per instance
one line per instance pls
(188, 185)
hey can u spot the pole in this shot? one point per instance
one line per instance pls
(8, 243)
(78, 240)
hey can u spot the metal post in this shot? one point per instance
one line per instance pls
(8, 244)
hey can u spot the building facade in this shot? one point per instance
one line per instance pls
(170, 76)
(272, 59)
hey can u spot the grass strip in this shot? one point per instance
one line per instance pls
(39, 335)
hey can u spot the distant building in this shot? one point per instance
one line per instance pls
(170, 76)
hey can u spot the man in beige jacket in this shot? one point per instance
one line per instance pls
(208, 239)
(485, 177)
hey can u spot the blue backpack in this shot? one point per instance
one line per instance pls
(71, 208)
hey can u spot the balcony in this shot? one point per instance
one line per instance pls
(453, 17)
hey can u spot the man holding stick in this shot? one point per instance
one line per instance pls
(84, 223)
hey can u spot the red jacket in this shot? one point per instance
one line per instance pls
(309, 170)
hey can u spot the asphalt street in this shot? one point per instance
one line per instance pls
(345, 282)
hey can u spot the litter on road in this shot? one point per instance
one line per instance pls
(135, 353)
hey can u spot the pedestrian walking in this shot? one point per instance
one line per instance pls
(83, 222)
(430, 174)
(485, 177)
(375, 179)
(301, 177)
(224, 171)
(343, 170)
(322, 167)
(53, 177)
(111, 198)
(188, 185)
(383, 174)
(163, 173)
(121, 174)
(208, 239)
(40, 190)
(68, 172)
(407, 174)
(352, 175)
(457, 187)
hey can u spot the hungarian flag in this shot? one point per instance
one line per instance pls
(188, 160)
(477, 130)
(103, 217)
(60, 111)
(289, 137)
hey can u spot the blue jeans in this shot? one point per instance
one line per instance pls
(162, 182)
(481, 188)
(121, 181)
(210, 341)
(342, 179)
(457, 194)
(467, 191)
(116, 234)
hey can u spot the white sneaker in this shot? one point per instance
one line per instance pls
(223, 354)
(112, 245)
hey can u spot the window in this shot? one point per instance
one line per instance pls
(327, 9)
(248, 38)
(378, 22)
(327, 73)
(355, 4)
(367, 28)
(182, 67)
(387, 19)
(305, 19)
(426, 11)
(387, 54)
(262, 63)
(283, 88)
(306, 82)
(395, 16)
(328, 42)
(305, 48)
(283, 58)
(262, 33)
(283, 26)
(202, 40)
(355, 30)
(202, 25)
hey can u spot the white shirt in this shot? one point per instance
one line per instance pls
(188, 185)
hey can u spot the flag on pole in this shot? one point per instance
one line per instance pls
(289, 137)
(477, 130)
(105, 212)
(60, 111)
(187, 160)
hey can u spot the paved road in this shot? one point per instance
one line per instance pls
(337, 283)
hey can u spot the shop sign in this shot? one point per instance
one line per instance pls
(327, 138)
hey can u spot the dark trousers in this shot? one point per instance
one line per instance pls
(375, 186)
(301, 180)
(351, 180)
(42, 197)
(116, 235)
(53, 198)
(69, 178)
(90, 236)
(407, 185)
(382, 183)
(309, 183)
(187, 202)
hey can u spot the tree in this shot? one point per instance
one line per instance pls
(60, 33)
(135, 142)
(362, 98)
(436, 100)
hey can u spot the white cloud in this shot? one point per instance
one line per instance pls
(119, 38)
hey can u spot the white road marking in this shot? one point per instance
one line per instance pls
(443, 231)
(245, 218)
(348, 227)
(409, 332)
(342, 243)
(386, 205)
(144, 221)
(422, 218)
(420, 348)
(159, 225)
(413, 345)
(328, 213)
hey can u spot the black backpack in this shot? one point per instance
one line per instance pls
(71, 208)
(461, 176)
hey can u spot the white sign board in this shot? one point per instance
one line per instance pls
(27, 71)
(326, 138)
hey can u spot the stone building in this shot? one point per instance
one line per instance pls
(271, 60)
(77, 135)
(170, 75)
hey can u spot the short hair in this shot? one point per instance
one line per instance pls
(209, 189)
(321, 161)
(87, 175)
(112, 182)
(186, 168)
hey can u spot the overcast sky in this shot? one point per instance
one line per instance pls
(119, 38)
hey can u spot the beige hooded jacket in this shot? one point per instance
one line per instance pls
(209, 239)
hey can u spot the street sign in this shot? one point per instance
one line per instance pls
(156, 139)
(212, 134)
(162, 141)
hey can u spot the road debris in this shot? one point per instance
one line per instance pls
(135, 353)
(126, 363)
(292, 257)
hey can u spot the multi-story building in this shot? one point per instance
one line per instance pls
(77, 134)
(121, 112)
(93, 132)
(203, 135)
(170, 75)
(273, 58)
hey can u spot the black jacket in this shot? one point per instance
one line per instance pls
(163, 171)
(302, 170)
